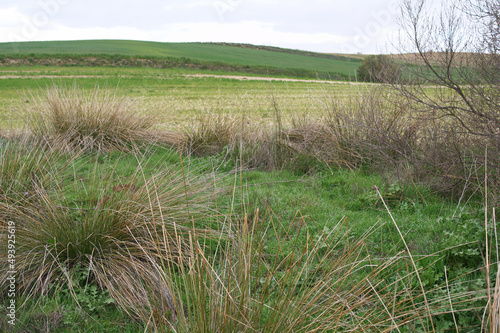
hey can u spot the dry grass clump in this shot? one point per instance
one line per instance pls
(266, 147)
(390, 135)
(345, 134)
(93, 120)
(25, 164)
(211, 133)
(377, 129)
(386, 133)
(371, 128)
(108, 226)
(301, 147)
(329, 282)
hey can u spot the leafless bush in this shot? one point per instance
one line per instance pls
(452, 62)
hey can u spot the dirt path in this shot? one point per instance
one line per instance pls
(262, 78)
(234, 77)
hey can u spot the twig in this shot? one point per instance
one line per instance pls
(449, 297)
(411, 258)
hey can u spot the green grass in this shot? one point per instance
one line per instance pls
(177, 97)
(294, 209)
(281, 237)
(209, 53)
(321, 201)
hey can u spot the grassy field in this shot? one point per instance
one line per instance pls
(145, 199)
(172, 93)
(206, 53)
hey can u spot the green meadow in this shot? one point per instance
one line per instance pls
(151, 199)
(201, 52)
(174, 93)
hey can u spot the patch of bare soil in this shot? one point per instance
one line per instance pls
(262, 78)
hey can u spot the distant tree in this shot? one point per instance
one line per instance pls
(454, 62)
(379, 68)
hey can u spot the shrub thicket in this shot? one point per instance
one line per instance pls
(379, 68)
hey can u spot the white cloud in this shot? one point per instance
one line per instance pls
(317, 25)
(11, 16)
(245, 32)
(188, 5)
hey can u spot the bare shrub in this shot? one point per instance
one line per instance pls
(382, 131)
(379, 68)
(371, 129)
(451, 59)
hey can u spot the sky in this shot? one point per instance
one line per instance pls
(331, 26)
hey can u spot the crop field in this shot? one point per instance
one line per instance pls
(205, 53)
(176, 94)
(182, 200)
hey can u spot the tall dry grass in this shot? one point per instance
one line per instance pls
(376, 129)
(210, 133)
(390, 135)
(25, 163)
(109, 225)
(326, 283)
(70, 118)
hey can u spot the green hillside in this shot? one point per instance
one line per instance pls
(232, 55)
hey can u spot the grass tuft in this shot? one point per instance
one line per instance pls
(211, 133)
(97, 221)
(25, 164)
(96, 120)
(329, 282)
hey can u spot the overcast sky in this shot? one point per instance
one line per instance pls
(346, 26)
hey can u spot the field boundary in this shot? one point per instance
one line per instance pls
(262, 78)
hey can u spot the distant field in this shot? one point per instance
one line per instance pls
(165, 83)
(201, 52)
(174, 93)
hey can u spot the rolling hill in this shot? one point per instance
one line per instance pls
(227, 57)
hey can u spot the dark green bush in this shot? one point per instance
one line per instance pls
(379, 68)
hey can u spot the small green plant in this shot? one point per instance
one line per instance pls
(393, 195)
(464, 236)
(83, 289)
